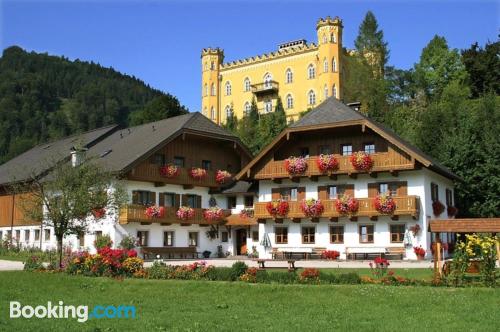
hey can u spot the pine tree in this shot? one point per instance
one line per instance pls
(231, 122)
(248, 128)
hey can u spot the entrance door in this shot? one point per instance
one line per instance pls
(241, 241)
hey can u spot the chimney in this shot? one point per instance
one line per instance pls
(77, 156)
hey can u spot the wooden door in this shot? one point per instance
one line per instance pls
(241, 241)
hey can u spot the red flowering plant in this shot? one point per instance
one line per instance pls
(330, 254)
(277, 208)
(419, 251)
(379, 267)
(107, 262)
(98, 213)
(222, 177)
(170, 171)
(361, 161)
(452, 211)
(309, 275)
(347, 204)
(384, 203)
(185, 213)
(213, 213)
(437, 208)
(312, 208)
(198, 173)
(296, 165)
(246, 213)
(155, 211)
(327, 163)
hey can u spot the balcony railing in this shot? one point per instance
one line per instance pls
(151, 173)
(382, 161)
(136, 213)
(265, 87)
(405, 205)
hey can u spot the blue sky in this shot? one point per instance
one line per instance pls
(160, 41)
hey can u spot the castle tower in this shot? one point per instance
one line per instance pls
(211, 59)
(329, 33)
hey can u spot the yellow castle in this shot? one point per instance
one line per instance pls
(301, 74)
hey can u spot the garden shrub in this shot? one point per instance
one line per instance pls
(33, 263)
(220, 274)
(262, 276)
(159, 270)
(250, 275)
(238, 269)
(283, 277)
(309, 275)
(107, 262)
(128, 242)
(328, 278)
(103, 241)
(351, 278)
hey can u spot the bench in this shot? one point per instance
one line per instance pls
(396, 252)
(169, 252)
(284, 253)
(262, 264)
(365, 252)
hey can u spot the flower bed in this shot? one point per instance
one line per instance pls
(212, 214)
(155, 211)
(185, 213)
(361, 161)
(296, 165)
(437, 208)
(330, 254)
(347, 205)
(312, 208)
(327, 163)
(170, 171)
(198, 173)
(277, 208)
(222, 177)
(107, 262)
(384, 203)
(309, 275)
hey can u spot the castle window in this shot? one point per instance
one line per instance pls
(289, 76)
(289, 101)
(334, 65)
(212, 89)
(228, 89)
(212, 113)
(212, 65)
(311, 71)
(333, 38)
(325, 66)
(334, 91)
(311, 97)
(205, 90)
(268, 106)
(267, 80)
(325, 91)
(246, 109)
(324, 39)
(205, 66)
(246, 85)
(229, 112)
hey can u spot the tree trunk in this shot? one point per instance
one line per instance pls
(60, 249)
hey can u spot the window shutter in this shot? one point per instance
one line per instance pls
(198, 202)
(349, 189)
(153, 198)
(372, 189)
(135, 197)
(301, 194)
(275, 193)
(162, 199)
(323, 192)
(177, 200)
(402, 188)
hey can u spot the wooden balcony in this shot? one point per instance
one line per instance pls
(136, 213)
(382, 162)
(405, 205)
(151, 173)
(265, 87)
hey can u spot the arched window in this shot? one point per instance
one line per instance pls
(267, 80)
(212, 65)
(325, 66)
(228, 89)
(311, 71)
(212, 89)
(334, 65)
(205, 90)
(333, 38)
(289, 101)
(289, 75)
(311, 96)
(268, 106)
(325, 91)
(212, 113)
(246, 108)
(229, 111)
(205, 112)
(334, 91)
(246, 85)
(324, 39)
(205, 66)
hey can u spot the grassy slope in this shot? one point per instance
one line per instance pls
(165, 305)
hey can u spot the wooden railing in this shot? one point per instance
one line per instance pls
(151, 173)
(382, 161)
(405, 205)
(136, 213)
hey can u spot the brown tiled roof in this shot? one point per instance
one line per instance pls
(473, 225)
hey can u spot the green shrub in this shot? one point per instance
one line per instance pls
(158, 270)
(33, 263)
(328, 278)
(262, 276)
(238, 269)
(283, 277)
(351, 278)
(128, 242)
(103, 241)
(220, 274)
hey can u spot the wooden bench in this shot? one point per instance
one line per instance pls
(262, 264)
(365, 252)
(169, 252)
(282, 253)
(396, 252)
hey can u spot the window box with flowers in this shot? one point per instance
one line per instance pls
(170, 171)
(361, 161)
(222, 177)
(213, 214)
(246, 213)
(347, 205)
(384, 203)
(437, 208)
(312, 208)
(185, 213)
(198, 173)
(327, 163)
(420, 252)
(452, 211)
(296, 165)
(277, 208)
(155, 211)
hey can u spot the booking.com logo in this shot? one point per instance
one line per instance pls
(81, 313)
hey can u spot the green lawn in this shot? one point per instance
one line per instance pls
(167, 305)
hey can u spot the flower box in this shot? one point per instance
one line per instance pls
(212, 214)
(98, 213)
(185, 213)
(296, 165)
(361, 161)
(347, 205)
(277, 208)
(452, 211)
(198, 173)
(170, 171)
(384, 203)
(246, 213)
(155, 211)
(312, 208)
(222, 177)
(437, 208)
(420, 252)
(327, 163)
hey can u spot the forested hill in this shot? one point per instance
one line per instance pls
(45, 97)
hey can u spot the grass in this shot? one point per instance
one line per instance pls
(22, 255)
(173, 305)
